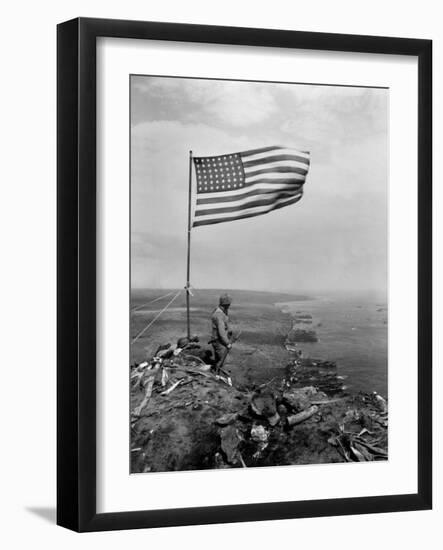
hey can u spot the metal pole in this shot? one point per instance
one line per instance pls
(188, 268)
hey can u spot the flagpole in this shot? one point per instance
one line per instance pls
(188, 267)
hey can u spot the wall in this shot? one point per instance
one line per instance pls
(27, 219)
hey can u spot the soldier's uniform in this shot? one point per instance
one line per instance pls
(221, 334)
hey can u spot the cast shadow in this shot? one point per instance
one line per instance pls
(48, 514)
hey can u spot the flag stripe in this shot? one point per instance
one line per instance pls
(266, 151)
(305, 159)
(229, 197)
(274, 177)
(247, 184)
(279, 178)
(245, 202)
(274, 158)
(255, 203)
(256, 212)
(277, 167)
(259, 151)
(257, 187)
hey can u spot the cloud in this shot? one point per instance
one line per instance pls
(160, 167)
(335, 237)
(238, 104)
(328, 117)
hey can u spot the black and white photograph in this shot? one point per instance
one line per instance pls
(259, 274)
(220, 293)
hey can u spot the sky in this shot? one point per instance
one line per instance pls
(334, 239)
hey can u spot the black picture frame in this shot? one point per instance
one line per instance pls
(76, 294)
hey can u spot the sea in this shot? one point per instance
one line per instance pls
(351, 330)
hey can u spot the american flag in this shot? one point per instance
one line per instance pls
(250, 183)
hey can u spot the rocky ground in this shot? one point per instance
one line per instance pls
(184, 417)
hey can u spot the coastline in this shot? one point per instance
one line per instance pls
(184, 427)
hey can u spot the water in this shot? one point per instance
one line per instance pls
(352, 331)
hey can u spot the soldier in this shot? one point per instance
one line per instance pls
(221, 334)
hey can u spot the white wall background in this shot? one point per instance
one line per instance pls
(27, 289)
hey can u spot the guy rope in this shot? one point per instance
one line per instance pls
(156, 317)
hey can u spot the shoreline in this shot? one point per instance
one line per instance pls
(350, 331)
(282, 409)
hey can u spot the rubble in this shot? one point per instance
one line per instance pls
(302, 415)
(226, 419)
(260, 436)
(299, 398)
(302, 372)
(230, 440)
(186, 417)
(263, 403)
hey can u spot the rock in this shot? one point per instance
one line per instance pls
(296, 400)
(300, 398)
(227, 419)
(274, 419)
(259, 434)
(219, 463)
(230, 440)
(302, 416)
(291, 347)
(380, 402)
(196, 350)
(263, 403)
(351, 415)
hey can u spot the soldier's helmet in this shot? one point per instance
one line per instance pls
(225, 300)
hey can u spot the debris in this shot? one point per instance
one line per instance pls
(328, 401)
(360, 457)
(165, 377)
(205, 368)
(226, 380)
(242, 462)
(357, 447)
(380, 402)
(196, 371)
(172, 388)
(226, 419)
(263, 403)
(230, 440)
(291, 347)
(145, 401)
(247, 419)
(298, 399)
(260, 436)
(164, 351)
(302, 416)
(351, 416)
(219, 463)
(354, 448)
(375, 450)
(274, 419)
